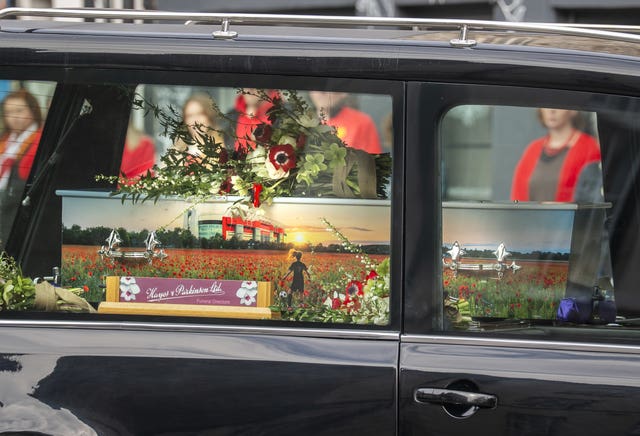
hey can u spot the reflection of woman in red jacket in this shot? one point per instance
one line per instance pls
(549, 168)
(354, 127)
(22, 121)
(139, 154)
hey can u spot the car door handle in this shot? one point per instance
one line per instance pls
(446, 397)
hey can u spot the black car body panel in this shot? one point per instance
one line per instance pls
(541, 391)
(142, 381)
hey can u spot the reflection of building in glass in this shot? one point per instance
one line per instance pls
(207, 225)
(250, 230)
(208, 228)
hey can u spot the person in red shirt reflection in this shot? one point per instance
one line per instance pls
(355, 128)
(22, 119)
(550, 166)
(139, 154)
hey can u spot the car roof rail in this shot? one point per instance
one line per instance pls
(602, 31)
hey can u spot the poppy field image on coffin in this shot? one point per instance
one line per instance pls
(506, 263)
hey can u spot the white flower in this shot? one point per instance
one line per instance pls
(257, 156)
(246, 295)
(250, 285)
(238, 186)
(128, 288)
(308, 120)
(328, 302)
(215, 188)
(273, 172)
(288, 140)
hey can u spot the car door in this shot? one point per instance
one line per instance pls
(485, 347)
(311, 364)
(131, 379)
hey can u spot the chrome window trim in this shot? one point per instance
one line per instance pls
(611, 32)
(206, 328)
(520, 343)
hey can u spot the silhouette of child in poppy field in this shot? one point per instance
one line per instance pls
(297, 268)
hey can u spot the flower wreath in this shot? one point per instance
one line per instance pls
(293, 153)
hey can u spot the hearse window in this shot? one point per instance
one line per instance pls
(260, 203)
(24, 106)
(531, 235)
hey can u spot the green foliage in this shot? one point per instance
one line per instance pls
(17, 292)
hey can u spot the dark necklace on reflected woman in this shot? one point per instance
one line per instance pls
(553, 151)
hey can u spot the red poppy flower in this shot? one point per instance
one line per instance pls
(226, 186)
(354, 287)
(352, 303)
(372, 275)
(240, 154)
(336, 303)
(257, 189)
(263, 132)
(282, 157)
(301, 141)
(223, 156)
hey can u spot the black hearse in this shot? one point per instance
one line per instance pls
(246, 224)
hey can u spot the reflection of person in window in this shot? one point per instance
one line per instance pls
(22, 121)
(355, 128)
(549, 168)
(200, 117)
(139, 153)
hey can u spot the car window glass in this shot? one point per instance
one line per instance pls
(259, 203)
(525, 230)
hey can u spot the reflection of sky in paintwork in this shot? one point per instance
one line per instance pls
(362, 223)
(520, 230)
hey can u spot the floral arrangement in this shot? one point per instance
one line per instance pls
(350, 300)
(293, 153)
(22, 293)
(18, 292)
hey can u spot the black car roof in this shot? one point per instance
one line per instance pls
(619, 40)
(533, 54)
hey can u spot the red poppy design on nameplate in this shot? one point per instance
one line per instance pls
(188, 291)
